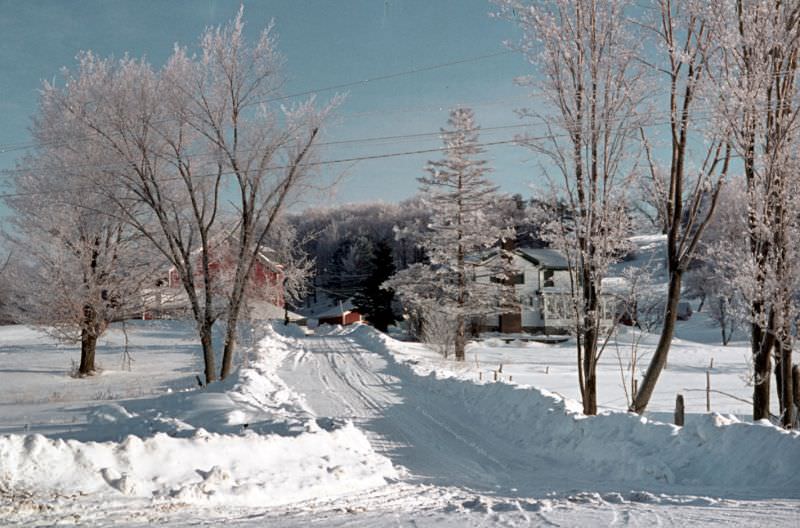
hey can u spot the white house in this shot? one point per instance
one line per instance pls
(542, 286)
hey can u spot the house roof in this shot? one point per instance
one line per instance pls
(337, 311)
(544, 257)
(260, 309)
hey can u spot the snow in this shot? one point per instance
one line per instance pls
(500, 453)
(348, 426)
(614, 447)
(247, 442)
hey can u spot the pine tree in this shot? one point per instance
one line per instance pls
(373, 300)
(461, 231)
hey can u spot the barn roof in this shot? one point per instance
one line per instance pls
(338, 310)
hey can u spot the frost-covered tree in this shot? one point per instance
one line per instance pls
(686, 195)
(77, 266)
(759, 84)
(461, 231)
(176, 139)
(590, 82)
(330, 233)
(346, 271)
(232, 96)
(714, 273)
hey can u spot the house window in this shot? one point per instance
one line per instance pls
(557, 307)
(547, 278)
(609, 309)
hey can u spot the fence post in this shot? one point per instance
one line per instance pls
(708, 391)
(796, 395)
(679, 410)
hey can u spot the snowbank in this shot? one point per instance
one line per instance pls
(249, 441)
(206, 469)
(717, 454)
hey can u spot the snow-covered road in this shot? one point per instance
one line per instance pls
(429, 445)
(458, 463)
(439, 442)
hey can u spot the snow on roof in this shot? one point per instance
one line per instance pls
(616, 285)
(340, 309)
(262, 310)
(544, 257)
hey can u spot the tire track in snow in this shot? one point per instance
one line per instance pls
(405, 422)
(408, 420)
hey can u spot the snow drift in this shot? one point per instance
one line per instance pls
(250, 441)
(712, 455)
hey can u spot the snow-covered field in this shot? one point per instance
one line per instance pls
(141, 445)
(553, 366)
(350, 427)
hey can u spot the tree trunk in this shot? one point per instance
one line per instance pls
(762, 341)
(659, 360)
(590, 394)
(796, 392)
(461, 339)
(204, 329)
(777, 352)
(786, 386)
(725, 326)
(88, 341)
(88, 348)
(589, 371)
(230, 340)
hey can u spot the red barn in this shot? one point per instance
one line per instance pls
(343, 314)
(266, 276)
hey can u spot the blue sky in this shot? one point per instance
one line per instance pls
(325, 43)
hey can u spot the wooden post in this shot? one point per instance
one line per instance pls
(480, 375)
(495, 375)
(708, 391)
(679, 410)
(510, 378)
(547, 369)
(711, 365)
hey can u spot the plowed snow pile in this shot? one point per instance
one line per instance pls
(715, 454)
(248, 442)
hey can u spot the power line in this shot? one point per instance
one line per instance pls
(13, 147)
(389, 76)
(277, 167)
(353, 159)
(353, 141)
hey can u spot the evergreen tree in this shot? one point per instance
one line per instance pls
(463, 228)
(373, 300)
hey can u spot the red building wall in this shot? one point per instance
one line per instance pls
(265, 282)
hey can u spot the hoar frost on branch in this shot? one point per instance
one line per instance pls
(77, 267)
(758, 81)
(183, 141)
(458, 242)
(591, 85)
(688, 194)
